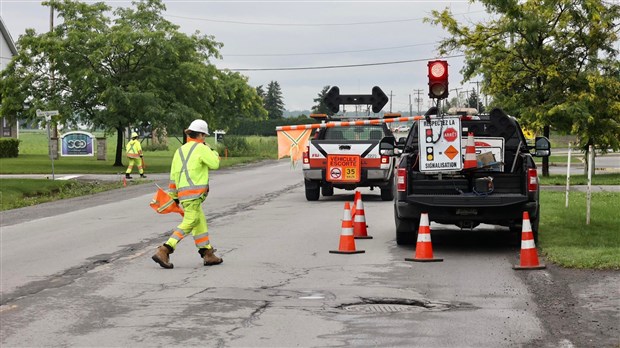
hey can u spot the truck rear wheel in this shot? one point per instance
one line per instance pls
(406, 230)
(312, 190)
(327, 189)
(387, 193)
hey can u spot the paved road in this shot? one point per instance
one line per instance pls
(79, 273)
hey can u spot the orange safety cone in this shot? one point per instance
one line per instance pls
(358, 195)
(124, 182)
(424, 247)
(529, 255)
(347, 242)
(470, 153)
(359, 221)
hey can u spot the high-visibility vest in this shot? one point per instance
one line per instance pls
(133, 149)
(189, 173)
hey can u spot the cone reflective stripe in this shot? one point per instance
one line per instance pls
(529, 254)
(424, 247)
(359, 221)
(347, 241)
(470, 153)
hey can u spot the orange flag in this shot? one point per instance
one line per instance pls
(162, 203)
(292, 143)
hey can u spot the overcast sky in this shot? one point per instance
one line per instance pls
(300, 34)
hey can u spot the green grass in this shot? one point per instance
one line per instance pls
(566, 240)
(17, 193)
(33, 158)
(598, 179)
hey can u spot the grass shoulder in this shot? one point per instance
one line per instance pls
(565, 238)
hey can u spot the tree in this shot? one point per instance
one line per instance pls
(319, 106)
(536, 58)
(474, 101)
(260, 91)
(273, 101)
(134, 70)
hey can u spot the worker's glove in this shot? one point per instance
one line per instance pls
(141, 156)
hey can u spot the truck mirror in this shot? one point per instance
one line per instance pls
(542, 147)
(386, 146)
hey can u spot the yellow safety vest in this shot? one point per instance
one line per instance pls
(133, 149)
(189, 173)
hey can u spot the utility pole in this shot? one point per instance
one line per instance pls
(410, 110)
(418, 99)
(457, 95)
(391, 101)
(477, 94)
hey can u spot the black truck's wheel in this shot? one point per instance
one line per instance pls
(387, 192)
(406, 230)
(312, 190)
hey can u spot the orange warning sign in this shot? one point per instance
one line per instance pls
(451, 152)
(343, 168)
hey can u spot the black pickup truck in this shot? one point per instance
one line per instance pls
(496, 195)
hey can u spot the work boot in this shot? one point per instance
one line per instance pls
(143, 176)
(162, 256)
(127, 176)
(209, 258)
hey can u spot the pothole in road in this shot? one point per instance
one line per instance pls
(392, 305)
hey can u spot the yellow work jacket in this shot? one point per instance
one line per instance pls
(133, 149)
(189, 173)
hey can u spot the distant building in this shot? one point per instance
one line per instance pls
(7, 51)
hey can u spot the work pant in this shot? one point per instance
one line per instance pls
(194, 222)
(134, 161)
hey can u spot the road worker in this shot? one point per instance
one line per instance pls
(189, 185)
(134, 155)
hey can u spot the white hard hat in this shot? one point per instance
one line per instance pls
(134, 134)
(199, 126)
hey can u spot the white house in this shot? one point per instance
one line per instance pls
(7, 51)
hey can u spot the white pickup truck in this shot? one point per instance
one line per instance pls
(347, 158)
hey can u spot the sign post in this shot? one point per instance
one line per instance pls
(48, 117)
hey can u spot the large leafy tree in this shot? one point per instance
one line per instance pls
(273, 100)
(135, 69)
(539, 60)
(319, 106)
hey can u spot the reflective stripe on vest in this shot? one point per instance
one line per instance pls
(131, 153)
(191, 191)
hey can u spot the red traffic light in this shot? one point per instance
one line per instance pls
(438, 79)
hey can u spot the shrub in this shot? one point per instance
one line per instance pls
(9, 147)
(155, 147)
(237, 146)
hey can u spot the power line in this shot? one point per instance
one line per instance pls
(319, 53)
(344, 66)
(307, 24)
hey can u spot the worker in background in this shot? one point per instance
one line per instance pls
(189, 185)
(134, 154)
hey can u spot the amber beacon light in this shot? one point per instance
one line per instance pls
(438, 79)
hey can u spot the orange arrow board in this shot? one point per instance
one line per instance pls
(451, 152)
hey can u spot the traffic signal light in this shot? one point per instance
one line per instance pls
(438, 79)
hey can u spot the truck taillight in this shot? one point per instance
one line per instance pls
(401, 180)
(385, 159)
(306, 158)
(532, 180)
